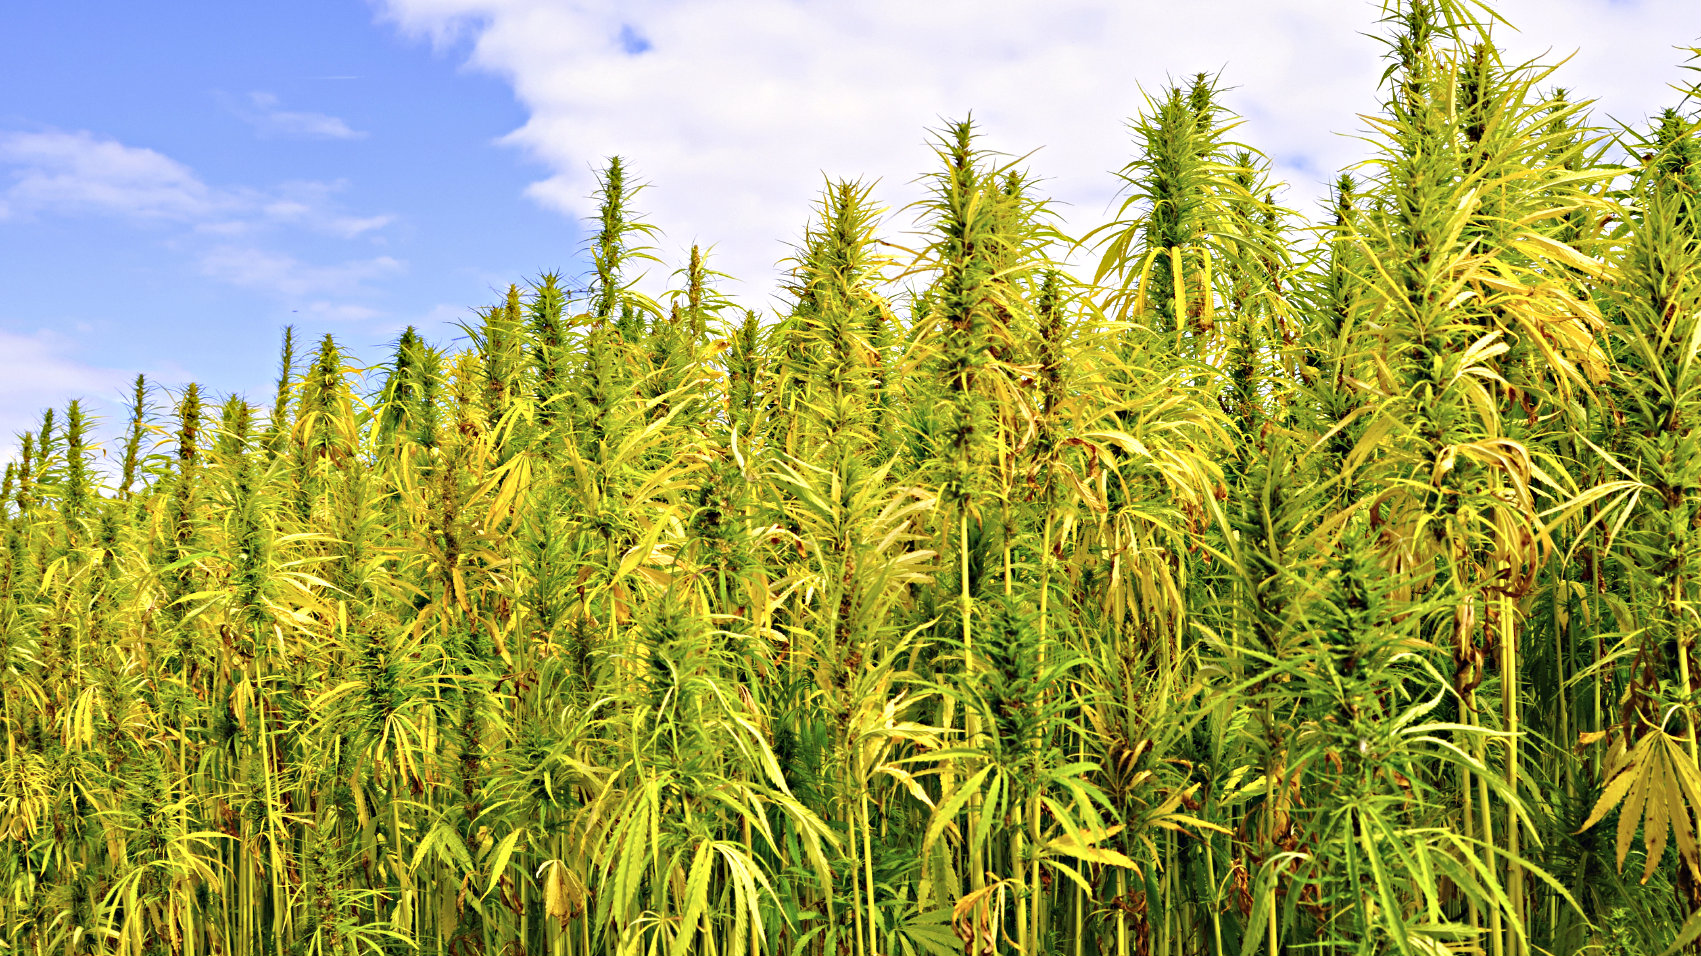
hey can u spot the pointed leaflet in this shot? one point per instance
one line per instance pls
(1634, 802)
(949, 808)
(500, 859)
(1617, 787)
(1662, 793)
(696, 898)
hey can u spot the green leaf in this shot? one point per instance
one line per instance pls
(500, 859)
(1689, 933)
(951, 806)
(696, 898)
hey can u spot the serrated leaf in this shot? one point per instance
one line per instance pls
(1631, 814)
(1611, 796)
(949, 808)
(696, 898)
(1540, 247)
(500, 860)
(1093, 854)
(1175, 821)
(1662, 793)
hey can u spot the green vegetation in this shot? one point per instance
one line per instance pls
(1281, 587)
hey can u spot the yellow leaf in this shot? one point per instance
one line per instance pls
(1079, 845)
(1175, 821)
(1616, 788)
(1540, 247)
(1632, 811)
(1662, 792)
(555, 899)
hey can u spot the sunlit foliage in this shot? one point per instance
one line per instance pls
(1219, 581)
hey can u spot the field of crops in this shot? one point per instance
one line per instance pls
(1219, 581)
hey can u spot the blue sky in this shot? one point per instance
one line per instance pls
(179, 180)
(182, 179)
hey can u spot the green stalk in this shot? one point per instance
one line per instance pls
(868, 871)
(1024, 944)
(856, 900)
(1036, 893)
(1495, 929)
(1509, 700)
(1121, 916)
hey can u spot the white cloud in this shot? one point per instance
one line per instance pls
(57, 173)
(266, 114)
(38, 364)
(78, 172)
(39, 371)
(68, 173)
(342, 311)
(349, 227)
(735, 108)
(289, 277)
(309, 204)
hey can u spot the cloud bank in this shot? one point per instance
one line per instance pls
(735, 109)
(265, 112)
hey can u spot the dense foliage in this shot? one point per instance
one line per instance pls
(1280, 585)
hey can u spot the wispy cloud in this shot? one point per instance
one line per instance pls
(41, 370)
(312, 205)
(342, 311)
(734, 109)
(55, 172)
(58, 173)
(41, 363)
(289, 277)
(265, 112)
(81, 173)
